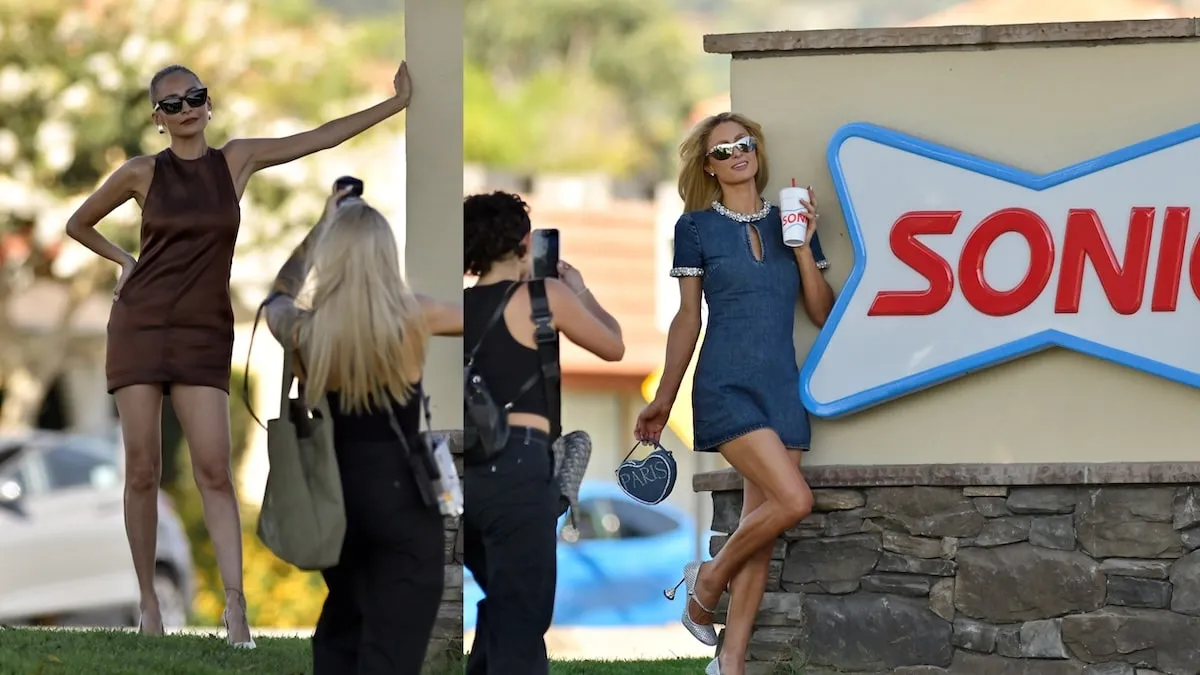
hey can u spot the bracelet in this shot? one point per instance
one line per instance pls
(584, 292)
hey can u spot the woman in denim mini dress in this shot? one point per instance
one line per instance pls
(729, 251)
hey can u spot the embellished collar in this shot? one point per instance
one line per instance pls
(743, 217)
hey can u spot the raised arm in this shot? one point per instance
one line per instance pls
(249, 155)
(280, 306)
(443, 318)
(574, 318)
(816, 293)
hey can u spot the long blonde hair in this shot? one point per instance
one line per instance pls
(365, 334)
(696, 187)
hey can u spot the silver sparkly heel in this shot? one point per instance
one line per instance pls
(225, 620)
(706, 634)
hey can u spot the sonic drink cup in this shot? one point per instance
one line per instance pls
(794, 215)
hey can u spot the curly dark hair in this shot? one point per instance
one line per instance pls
(494, 226)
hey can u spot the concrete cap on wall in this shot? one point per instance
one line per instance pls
(947, 38)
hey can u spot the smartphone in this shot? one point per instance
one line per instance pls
(545, 253)
(355, 185)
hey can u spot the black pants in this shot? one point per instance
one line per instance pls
(385, 591)
(509, 540)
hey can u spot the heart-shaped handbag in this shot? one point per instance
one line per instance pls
(649, 480)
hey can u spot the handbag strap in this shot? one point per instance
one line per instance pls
(546, 338)
(425, 470)
(541, 311)
(656, 444)
(395, 424)
(285, 387)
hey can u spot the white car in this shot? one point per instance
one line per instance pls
(64, 558)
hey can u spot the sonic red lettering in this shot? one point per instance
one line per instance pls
(1170, 260)
(794, 217)
(1085, 239)
(923, 261)
(1124, 284)
(977, 290)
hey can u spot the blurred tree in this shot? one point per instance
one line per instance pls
(575, 84)
(74, 106)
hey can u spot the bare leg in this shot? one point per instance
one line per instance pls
(140, 409)
(746, 590)
(761, 459)
(203, 413)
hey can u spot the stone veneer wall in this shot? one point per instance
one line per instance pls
(984, 579)
(448, 631)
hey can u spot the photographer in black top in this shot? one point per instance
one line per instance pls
(512, 499)
(359, 337)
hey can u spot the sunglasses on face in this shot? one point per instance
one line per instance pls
(173, 105)
(724, 151)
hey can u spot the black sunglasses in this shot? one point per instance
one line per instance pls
(173, 105)
(723, 151)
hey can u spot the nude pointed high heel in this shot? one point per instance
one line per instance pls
(225, 620)
(141, 624)
(705, 633)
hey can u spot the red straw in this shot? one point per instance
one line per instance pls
(793, 182)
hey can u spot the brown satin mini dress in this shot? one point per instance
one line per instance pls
(173, 323)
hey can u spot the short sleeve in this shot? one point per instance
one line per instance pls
(818, 254)
(688, 260)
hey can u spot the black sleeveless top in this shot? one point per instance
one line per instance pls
(374, 425)
(503, 363)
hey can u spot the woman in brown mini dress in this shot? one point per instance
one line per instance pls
(171, 327)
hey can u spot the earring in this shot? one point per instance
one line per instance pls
(162, 129)
(710, 173)
(210, 114)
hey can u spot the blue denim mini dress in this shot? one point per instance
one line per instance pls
(746, 377)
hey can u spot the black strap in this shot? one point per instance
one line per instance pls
(655, 444)
(546, 338)
(425, 470)
(246, 370)
(285, 411)
(470, 357)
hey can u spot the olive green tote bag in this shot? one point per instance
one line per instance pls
(303, 517)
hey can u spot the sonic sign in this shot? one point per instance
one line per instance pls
(961, 263)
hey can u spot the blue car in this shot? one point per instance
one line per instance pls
(612, 570)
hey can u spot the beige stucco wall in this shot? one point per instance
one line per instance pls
(433, 248)
(1036, 108)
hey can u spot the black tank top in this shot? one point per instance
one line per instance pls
(503, 363)
(374, 424)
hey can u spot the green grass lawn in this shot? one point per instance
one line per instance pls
(46, 652)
